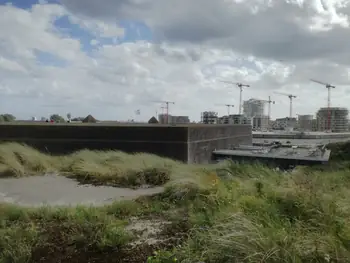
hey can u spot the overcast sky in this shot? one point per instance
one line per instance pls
(109, 58)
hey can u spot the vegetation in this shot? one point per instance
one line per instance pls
(7, 117)
(57, 118)
(215, 214)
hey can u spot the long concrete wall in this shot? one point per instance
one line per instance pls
(66, 138)
(187, 143)
(204, 139)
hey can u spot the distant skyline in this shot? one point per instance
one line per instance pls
(112, 58)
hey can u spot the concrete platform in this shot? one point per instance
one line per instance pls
(299, 135)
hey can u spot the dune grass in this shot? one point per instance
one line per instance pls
(98, 167)
(216, 214)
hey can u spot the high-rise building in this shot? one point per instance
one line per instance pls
(253, 107)
(335, 116)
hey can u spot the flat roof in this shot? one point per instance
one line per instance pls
(120, 124)
(279, 153)
(298, 132)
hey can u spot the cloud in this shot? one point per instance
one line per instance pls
(271, 45)
(277, 29)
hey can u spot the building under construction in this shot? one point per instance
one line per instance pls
(253, 107)
(334, 119)
(171, 119)
(209, 117)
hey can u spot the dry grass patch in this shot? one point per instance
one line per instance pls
(98, 167)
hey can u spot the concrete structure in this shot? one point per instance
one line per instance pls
(234, 119)
(209, 117)
(188, 143)
(300, 135)
(284, 123)
(305, 122)
(162, 118)
(314, 125)
(276, 155)
(253, 107)
(338, 119)
(260, 122)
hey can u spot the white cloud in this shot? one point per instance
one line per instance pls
(200, 42)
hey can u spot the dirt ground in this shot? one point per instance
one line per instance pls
(153, 234)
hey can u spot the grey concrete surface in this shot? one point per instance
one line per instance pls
(302, 141)
(203, 140)
(57, 190)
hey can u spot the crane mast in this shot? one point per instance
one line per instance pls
(269, 108)
(228, 107)
(240, 86)
(291, 97)
(328, 87)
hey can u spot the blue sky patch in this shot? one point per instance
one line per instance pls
(48, 59)
(133, 31)
(26, 4)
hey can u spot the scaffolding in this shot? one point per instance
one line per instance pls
(209, 117)
(338, 119)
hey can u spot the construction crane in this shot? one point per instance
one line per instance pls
(329, 87)
(240, 86)
(290, 96)
(228, 107)
(269, 108)
(167, 108)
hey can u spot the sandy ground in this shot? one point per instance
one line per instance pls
(62, 191)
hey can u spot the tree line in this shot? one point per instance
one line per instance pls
(55, 117)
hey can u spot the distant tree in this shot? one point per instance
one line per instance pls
(7, 117)
(57, 118)
(69, 116)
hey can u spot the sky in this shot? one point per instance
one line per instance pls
(109, 58)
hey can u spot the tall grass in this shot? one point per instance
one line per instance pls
(219, 214)
(98, 167)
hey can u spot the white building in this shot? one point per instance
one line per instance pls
(253, 107)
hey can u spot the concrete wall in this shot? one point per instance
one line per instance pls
(203, 139)
(188, 143)
(162, 140)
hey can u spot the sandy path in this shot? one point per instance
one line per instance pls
(59, 190)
